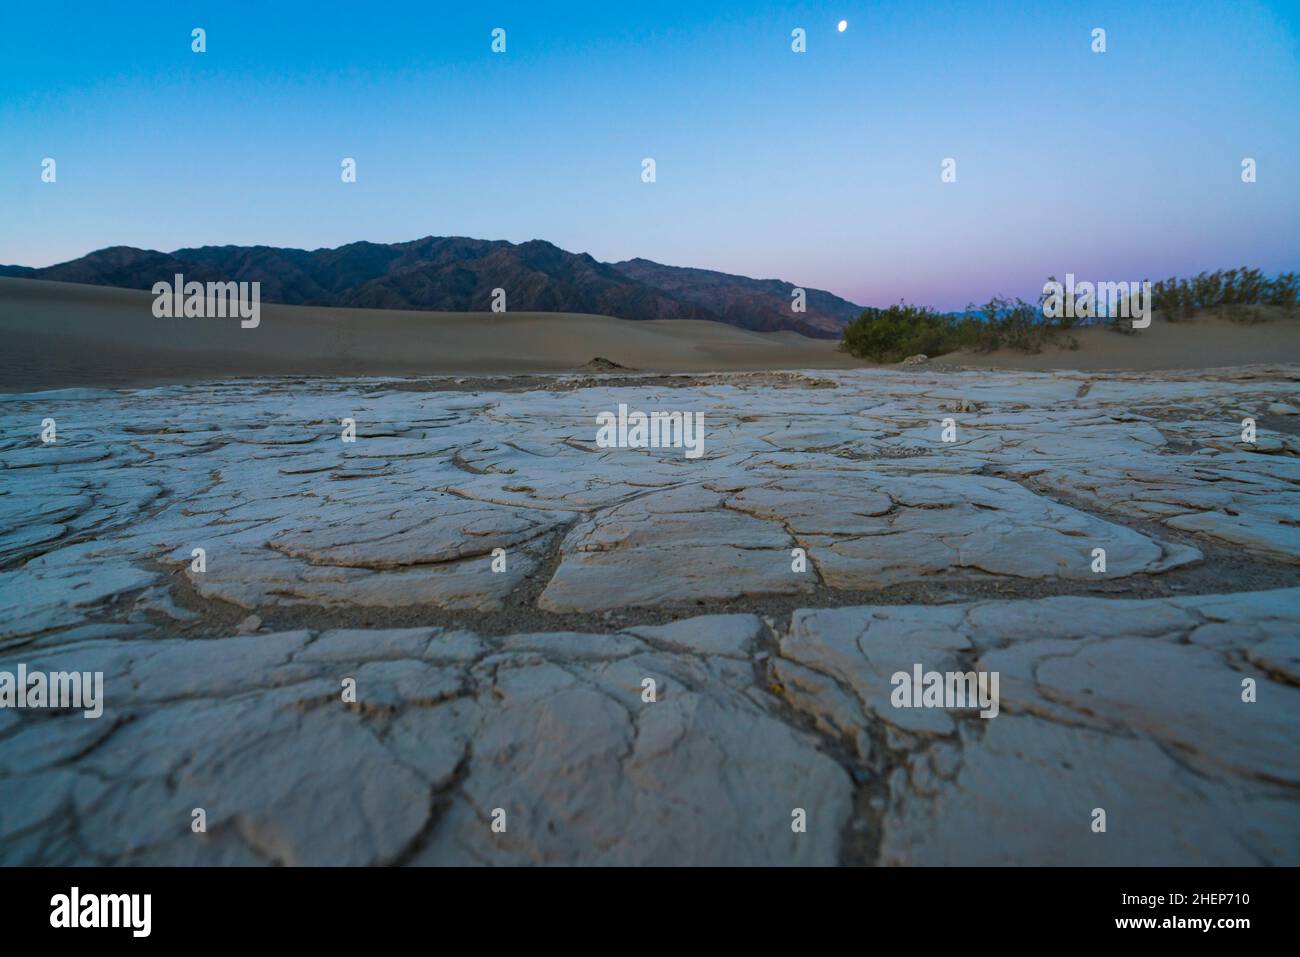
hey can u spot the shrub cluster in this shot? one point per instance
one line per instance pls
(902, 330)
(1177, 299)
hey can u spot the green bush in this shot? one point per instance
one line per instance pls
(902, 330)
(1176, 299)
(893, 334)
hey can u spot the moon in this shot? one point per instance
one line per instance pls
(842, 26)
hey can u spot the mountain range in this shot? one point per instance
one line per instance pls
(458, 274)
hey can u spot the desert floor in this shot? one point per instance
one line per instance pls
(67, 335)
(523, 689)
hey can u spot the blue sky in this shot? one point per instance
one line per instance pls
(821, 168)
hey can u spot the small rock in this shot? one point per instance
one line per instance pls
(919, 359)
(601, 364)
(249, 625)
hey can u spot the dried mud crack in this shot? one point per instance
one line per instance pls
(500, 589)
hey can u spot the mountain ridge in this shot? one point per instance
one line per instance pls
(459, 274)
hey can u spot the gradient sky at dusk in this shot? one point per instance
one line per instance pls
(821, 168)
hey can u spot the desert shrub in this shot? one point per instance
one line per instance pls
(893, 334)
(1064, 322)
(902, 330)
(1171, 298)
(1283, 291)
(1177, 299)
(1023, 327)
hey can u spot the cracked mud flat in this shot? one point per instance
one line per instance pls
(522, 689)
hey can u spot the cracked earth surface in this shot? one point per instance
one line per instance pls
(522, 689)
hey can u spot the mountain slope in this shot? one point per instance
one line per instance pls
(760, 304)
(458, 274)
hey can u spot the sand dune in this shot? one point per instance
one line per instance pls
(64, 334)
(1205, 342)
